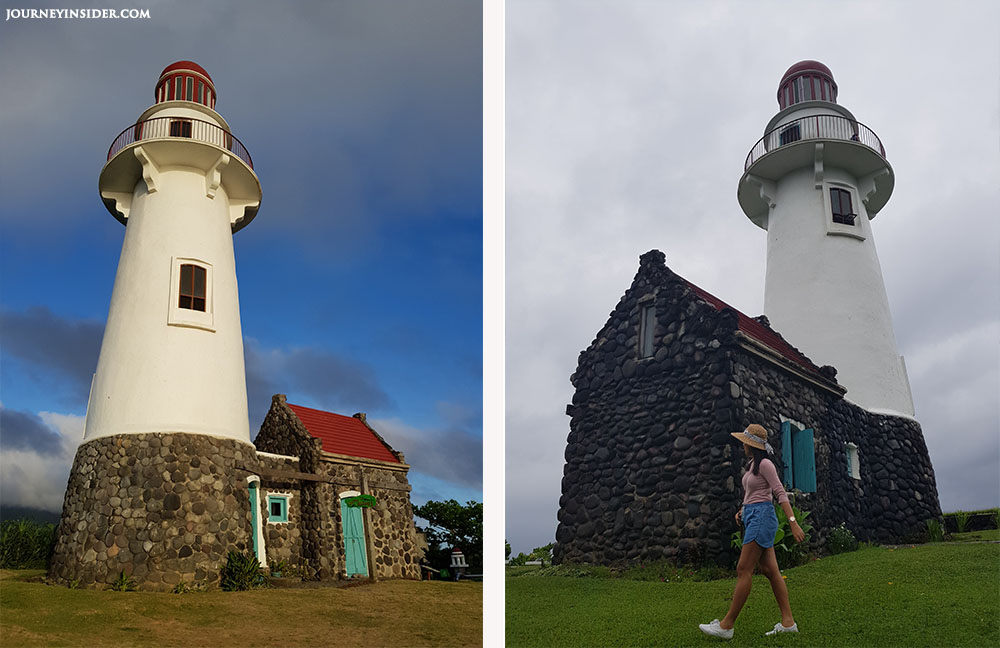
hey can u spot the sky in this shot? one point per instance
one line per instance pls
(361, 276)
(627, 127)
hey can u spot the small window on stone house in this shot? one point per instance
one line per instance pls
(853, 466)
(277, 508)
(798, 455)
(647, 330)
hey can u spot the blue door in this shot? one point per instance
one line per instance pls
(355, 554)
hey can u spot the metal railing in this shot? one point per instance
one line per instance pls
(180, 127)
(815, 127)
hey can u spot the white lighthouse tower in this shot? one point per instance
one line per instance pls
(814, 181)
(172, 356)
(162, 485)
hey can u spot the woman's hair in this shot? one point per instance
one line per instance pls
(757, 455)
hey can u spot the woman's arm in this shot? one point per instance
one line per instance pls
(797, 531)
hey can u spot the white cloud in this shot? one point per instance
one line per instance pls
(35, 480)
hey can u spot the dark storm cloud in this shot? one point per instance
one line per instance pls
(371, 113)
(452, 452)
(52, 344)
(331, 380)
(26, 431)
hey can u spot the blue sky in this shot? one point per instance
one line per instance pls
(361, 277)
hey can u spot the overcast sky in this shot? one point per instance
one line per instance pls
(628, 124)
(361, 277)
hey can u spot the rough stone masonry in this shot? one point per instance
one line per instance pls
(651, 469)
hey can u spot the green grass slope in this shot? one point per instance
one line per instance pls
(928, 595)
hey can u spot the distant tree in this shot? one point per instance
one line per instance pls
(453, 525)
(506, 548)
(543, 554)
(519, 559)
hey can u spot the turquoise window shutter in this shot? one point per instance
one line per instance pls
(786, 453)
(804, 461)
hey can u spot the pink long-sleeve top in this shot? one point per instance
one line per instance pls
(764, 485)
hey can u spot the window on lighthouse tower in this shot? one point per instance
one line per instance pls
(192, 288)
(840, 203)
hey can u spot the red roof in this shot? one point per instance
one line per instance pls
(756, 330)
(344, 435)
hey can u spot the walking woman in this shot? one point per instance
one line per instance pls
(760, 485)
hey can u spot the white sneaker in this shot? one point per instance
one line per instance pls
(716, 630)
(778, 628)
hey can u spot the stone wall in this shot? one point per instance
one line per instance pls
(389, 525)
(163, 508)
(282, 540)
(897, 491)
(651, 469)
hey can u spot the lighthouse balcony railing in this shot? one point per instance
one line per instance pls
(180, 127)
(814, 127)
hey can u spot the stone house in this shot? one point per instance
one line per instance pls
(333, 496)
(651, 469)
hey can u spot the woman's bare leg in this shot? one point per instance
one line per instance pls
(749, 556)
(769, 567)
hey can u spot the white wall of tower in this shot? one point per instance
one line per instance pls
(185, 376)
(824, 290)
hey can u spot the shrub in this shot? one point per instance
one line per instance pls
(961, 520)
(841, 540)
(788, 552)
(26, 544)
(123, 583)
(241, 572)
(934, 530)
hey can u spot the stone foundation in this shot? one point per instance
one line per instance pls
(163, 508)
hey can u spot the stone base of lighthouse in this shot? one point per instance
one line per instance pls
(163, 508)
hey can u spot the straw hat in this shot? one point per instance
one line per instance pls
(754, 436)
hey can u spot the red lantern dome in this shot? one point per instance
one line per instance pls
(806, 81)
(185, 81)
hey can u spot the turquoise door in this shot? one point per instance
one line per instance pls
(254, 514)
(354, 540)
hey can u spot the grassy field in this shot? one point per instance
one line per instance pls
(388, 613)
(944, 594)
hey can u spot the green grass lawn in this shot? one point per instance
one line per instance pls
(945, 594)
(387, 613)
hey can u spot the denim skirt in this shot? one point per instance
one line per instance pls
(760, 524)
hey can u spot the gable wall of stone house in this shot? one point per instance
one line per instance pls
(649, 457)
